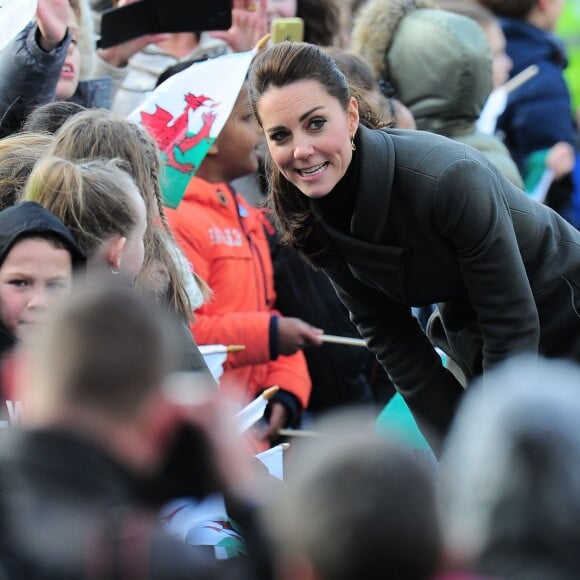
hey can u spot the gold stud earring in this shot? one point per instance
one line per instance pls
(352, 145)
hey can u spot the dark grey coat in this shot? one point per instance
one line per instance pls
(435, 222)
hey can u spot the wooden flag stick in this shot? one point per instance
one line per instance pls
(269, 393)
(297, 433)
(235, 347)
(261, 44)
(220, 348)
(521, 78)
(343, 340)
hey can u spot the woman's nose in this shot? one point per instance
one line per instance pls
(302, 149)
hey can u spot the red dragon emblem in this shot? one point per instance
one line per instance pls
(171, 132)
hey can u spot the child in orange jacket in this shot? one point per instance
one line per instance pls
(224, 238)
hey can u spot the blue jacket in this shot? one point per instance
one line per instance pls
(29, 75)
(538, 113)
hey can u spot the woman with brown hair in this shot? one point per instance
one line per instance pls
(400, 218)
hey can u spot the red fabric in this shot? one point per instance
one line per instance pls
(7, 377)
(232, 255)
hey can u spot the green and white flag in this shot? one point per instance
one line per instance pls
(186, 113)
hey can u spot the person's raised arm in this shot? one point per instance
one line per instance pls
(52, 18)
(30, 65)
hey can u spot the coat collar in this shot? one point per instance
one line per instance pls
(363, 246)
(376, 180)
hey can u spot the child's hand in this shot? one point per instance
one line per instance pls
(276, 421)
(561, 159)
(52, 17)
(294, 334)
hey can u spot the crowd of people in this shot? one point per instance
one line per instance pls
(338, 224)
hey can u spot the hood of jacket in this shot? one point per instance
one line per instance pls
(528, 44)
(86, 40)
(438, 61)
(28, 218)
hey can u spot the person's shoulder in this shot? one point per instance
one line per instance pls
(425, 152)
(204, 204)
(201, 191)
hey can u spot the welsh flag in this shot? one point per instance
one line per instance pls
(186, 113)
(204, 523)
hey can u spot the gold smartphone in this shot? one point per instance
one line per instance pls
(291, 29)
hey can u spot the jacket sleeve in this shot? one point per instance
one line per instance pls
(28, 75)
(472, 211)
(396, 338)
(291, 374)
(249, 328)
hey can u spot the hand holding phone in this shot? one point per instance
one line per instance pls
(144, 17)
(291, 29)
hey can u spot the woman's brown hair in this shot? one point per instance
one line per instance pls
(280, 65)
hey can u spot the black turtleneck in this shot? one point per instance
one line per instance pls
(336, 208)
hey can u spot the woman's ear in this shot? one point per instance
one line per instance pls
(114, 251)
(353, 116)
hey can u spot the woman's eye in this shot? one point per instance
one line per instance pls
(278, 136)
(317, 124)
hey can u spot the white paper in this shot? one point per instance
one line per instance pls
(215, 356)
(273, 459)
(14, 16)
(251, 413)
(494, 107)
(540, 192)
